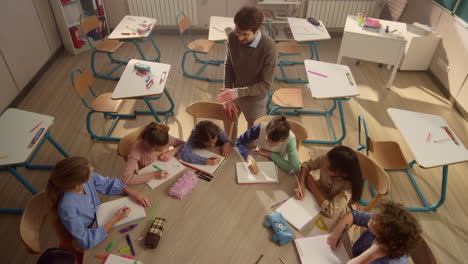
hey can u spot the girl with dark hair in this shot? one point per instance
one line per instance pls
(274, 140)
(205, 134)
(153, 144)
(72, 190)
(340, 183)
(391, 234)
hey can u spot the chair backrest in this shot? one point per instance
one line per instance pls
(216, 111)
(422, 253)
(32, 221)
(90, 23)
(82, 81)
(376, 176)
(299, 131)
(184, 23)
(126, 143)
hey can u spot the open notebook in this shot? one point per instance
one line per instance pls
(115, 259)
(173, 167)
(267, 174)
(106, 211)
(316, 250)
(299, 212)
(208, 169)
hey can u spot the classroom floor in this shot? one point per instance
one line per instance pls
(53, 95)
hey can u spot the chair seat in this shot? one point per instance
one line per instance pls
(109, 45)
(389, 155)
(104, 103)
(288, 47)
(288, 97)
(202, 45)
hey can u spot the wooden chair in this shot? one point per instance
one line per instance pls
(199, 46)
(290, 99)
(387, 154)
(299, 131)
(422, 254)
(82, 82)
(90, 25)
(375, 175)
(215, 111)
(32, 221)
(126, 143)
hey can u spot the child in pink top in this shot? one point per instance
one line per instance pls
(153, 144)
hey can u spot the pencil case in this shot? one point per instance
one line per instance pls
(154, 234)
(183, 186)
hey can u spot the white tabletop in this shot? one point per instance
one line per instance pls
(303, 30)
(335, 85)
(15, 135)
(132, 85)
(353, 27)
(217, 26)
(129, 25)
(414, 127)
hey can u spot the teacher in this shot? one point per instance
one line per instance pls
(249, 67)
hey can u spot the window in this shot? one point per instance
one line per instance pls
(458, 8)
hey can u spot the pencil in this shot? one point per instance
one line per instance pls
(342, 233)
(34, 128)
(298, 184)
(258, 260)
(282, 261)
(156, 167)
(218, 29)
(278, 203)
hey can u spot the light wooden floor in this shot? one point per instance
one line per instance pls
(53, 95)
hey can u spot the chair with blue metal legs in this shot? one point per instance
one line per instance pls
(195, 47)
(288, 49)
(388, 155)
(89, 25)
(82, 82)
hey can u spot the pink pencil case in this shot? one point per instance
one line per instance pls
(184, 185)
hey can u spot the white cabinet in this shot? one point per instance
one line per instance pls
(8, 89)
(419, 49)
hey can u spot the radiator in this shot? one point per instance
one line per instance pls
(164, 10)
(333, 13)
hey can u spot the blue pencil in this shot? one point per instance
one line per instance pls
(129, 241)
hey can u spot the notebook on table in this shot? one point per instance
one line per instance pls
(268, 173)
(173, 167)
(299, 212)
(115, 259)
(106, 211)
(315, 249)
(208, 169)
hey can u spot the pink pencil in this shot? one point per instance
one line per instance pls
(428, 136)
(319, 74)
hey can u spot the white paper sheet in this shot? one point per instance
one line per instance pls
(268, 173)
(173, 167)
(208, 169)
(299, 212)
(106, 211)
(316, 250)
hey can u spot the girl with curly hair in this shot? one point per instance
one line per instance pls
(391, 235)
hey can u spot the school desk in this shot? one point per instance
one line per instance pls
(376, 46)
(134, 86)
(218, 222)
(16, 150)
(328, 81)
(414, 127)
(218, 24)
(127, 31)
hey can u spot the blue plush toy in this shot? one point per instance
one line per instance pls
(282, 232)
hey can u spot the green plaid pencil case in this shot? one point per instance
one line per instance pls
(154, 234)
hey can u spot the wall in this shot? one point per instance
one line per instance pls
(115, 11)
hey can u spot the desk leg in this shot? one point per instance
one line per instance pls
(392, 77)
(53, 142)
(20, 178)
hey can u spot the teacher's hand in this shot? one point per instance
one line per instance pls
(226, 96)
(229, 107)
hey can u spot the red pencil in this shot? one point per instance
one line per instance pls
(450, 135)
(34, 128)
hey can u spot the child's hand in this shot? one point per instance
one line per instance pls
(140, 199)
(160, 174)
(252, 165)
(262, 152)
(226, 149)
(121, 213)
(166, 156)
(300, 194)
(212, 161)
(332, 239)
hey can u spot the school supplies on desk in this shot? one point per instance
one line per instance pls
(172, 166)
(299, 212)
(183, 186)
(128, 228)
(34, 128)
(106, 211)
(114, 259)
(315, 249)
(319, 74)
(207, 169)
(36, 137)
(130, 244)
(372, 23)
(267, 173)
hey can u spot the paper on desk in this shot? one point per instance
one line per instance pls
(173, 167)
(302, 26)
(316, 250)
(106, 211)
(299, 212)
(268, 173)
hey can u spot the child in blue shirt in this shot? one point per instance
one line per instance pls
(72, 189)
(274, 140)
(390, 236)
(205, 135)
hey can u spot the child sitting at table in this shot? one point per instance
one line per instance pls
(340, 183)
(274, 140)
(205, 134)
(153, 144)
(72, 190)
(391, 234)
